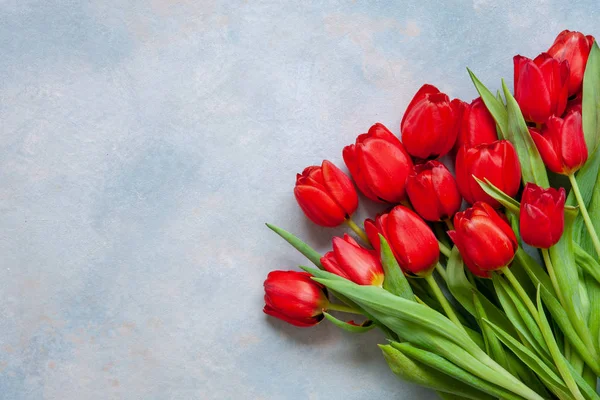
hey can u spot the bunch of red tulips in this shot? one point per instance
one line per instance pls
(467, 311)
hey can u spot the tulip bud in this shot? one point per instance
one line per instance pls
(325, 194)
(379, 164)
(412, 241)
(498, 162)
(485, 240)
(541, 86)
(294, 297)
(542, 216)
(349, 260)
(429, 126)
(433, 191)
(575, 48)
(477, 126)
(561, 143)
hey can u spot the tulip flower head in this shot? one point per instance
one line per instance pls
(412, 241)
(485, 240)
(575, 48)
(542, 216)
(433, 191)
(351, 261)
(374, 228)
(429, 125)
(561, 143)
(294, 297)
(379, 164)
(541, 86)
(477, 126)
(325, 194)
(498, 162)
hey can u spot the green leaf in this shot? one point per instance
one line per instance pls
(522, 320)
(546, 374)
(562, 255)
(423, 375)
(462, 290)
(591, 100)
(560, 317)
(499, 97)
(559, 360)
(328, 275)
(302, 247)
(535, 271)
(587, 262)
(593, 289)
(493, 346)
(589, 392)
(532, 166)
(495, 107)
(511, 204)
(395, 282)
(346, 326)
(441, 364)
(430, 330)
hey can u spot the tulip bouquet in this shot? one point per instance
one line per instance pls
(501, 299)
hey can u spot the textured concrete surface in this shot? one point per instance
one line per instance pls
(144, 143)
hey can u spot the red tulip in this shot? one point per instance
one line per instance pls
(541, 86)
(561, 143)
(542, 216)
(413, 242)
(294, 297)
(375, 227)
(497, 161)
(429, 126)
(433, 191)
(325, 194)
(477, 126)
(379, 164)
(485, 240)
(575, 48)
(349, 260)
(574, 104)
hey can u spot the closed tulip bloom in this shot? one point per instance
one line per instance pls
(351, 261)
(542, 216)
(541, 86)
(477, 126)
(294, 297)
(413, 242)
(485, 240)
(325, 194)
(561, 143)
(379, 164)
(575, 48)
(375, 227)
(498, 162)
(429, 126)
(433, 191)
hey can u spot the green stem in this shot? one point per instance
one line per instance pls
(437, 292)
(442, 271)
(584, 214)
(342, 308)
(444, 249)
(521, 292)
(552, 274)
(550, 342)
(449, 224)
(358, 230)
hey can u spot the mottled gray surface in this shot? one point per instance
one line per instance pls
(144, 143)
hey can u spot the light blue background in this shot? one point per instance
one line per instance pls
(144, 143)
